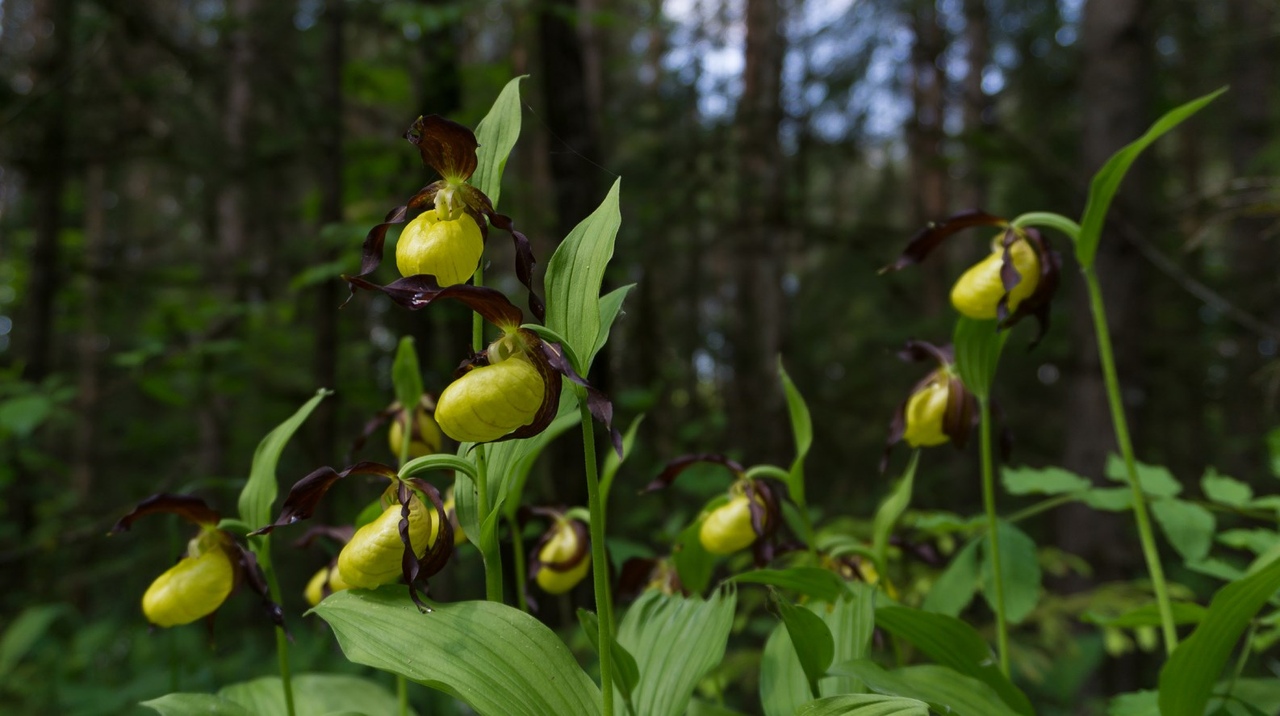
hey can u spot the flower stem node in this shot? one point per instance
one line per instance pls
(563, 557)
(373, 556)
(491, 401)
(194, 587)
(447, 248)
(978, 291)
(728, 528)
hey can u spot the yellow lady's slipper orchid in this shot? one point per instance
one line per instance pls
(373, 556)
(491, 401)
(193, 588)
(447, 248)
(425, 440)
(329, 577)
(564, 559)
(926, 413)
(728, 528)
(978, 291)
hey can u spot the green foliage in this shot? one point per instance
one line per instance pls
(890, 510)
(801, 432)
(812, 640)
(1020, 569)
(260, 491)
(314, 695)
(1156, 481)
(497, 134)
(1044, 481)
(497, 659)
(23, 632)
(978, 345)
(945, 690)
(407, 377)
(814, 582)
(1188, 526)
(957, 584)
(627, 673)
(864, 705)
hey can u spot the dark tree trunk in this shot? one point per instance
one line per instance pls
(328, 295)
(929, 196)
(977, 106)
(84, 440)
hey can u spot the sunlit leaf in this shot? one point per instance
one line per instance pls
(1107, 181)
(1187, 678)
(497, 659)
(497, 134)
(675, 640)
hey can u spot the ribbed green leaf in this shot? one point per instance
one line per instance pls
(1043, 481)
(575, 273)
(693, 562)
(406, 376)
(890, 510)
(864, 705)
(260, 491)
(813, 582)
(1020, 569)
(1187, 679)
(953, 643)
(675, 640)
(438, 461)
(626, 673)
(955, 587)
(801, 432)
(497, 659)
(851, 621)
(783, 686)
(610, 309)
(196, 705)
(1107, 181)
(497, 134)
(945, 690)
(313, 695)
(978, 345)
(812, 641)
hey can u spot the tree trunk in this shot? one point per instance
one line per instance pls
(925, 135)
(328, 293)
(977, 106)
(84, 441)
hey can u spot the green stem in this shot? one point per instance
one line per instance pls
(402, 694)
(522, 578)
(599, 560)
(993, 532)
(492, 557)
(1042, 506)
(1149, 549)
(282, 640)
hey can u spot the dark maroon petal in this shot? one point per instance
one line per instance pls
(416, 292)
(677, 466)
(931, 236)
(408, 560)
(305, 495)
(1009, 276)
(1037, 304)
(371, 253)
(247, 569)
(188, 507)
(340, 535)
(438, 554)
(446, 146)
(477, 201)
(962, 408)
(918, 351)
(598, 404)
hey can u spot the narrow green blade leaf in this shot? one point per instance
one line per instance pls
(497, 134)
(1187, 679)
(312, 694)
(953, 643)
(801, 431)
(890, 510)
(978, 345)
(575, 273)
(1138, 703)
(945, 690)
(1020, 568)
(811, 638)
(438, 461)
(1148, 615)
(259, 493)
(675, 640)
(1107, 181)
(610, 309)
(497, 659)
(1188, 526)
(693, 562)
(955, 587)
(196, 705)
(1043, 481)
(812, 582)
(626, 673)
(24, 632)
(864, 705)
(405, 375)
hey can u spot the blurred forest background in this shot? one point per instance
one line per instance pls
(182, 181)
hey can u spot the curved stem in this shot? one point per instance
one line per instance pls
(599, 560)
(522, 576)
(282, 640)
(402, 694)
(1149, 549)
(993, 533)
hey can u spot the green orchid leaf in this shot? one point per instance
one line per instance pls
(890, 510)
(575, 274)
(814, 645)
(610, 309)
(957, 584)
(196, 705)
(693, 562)
(612, 463)
(497, 134)
(784, 687)
(496, 659)
(1107, 181)
(312, 694)
(955, 644)
(675, 640)
(945, 690)
(406, 376)
(864, 705)
(626, 672)
(1020, 569)
(812, 582)
(260, 491)
(1042, 481)
(978, 345)
(801, 431)
(1188, 677)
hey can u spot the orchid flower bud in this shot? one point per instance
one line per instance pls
(447, 247)
(728, 528)
(426, 438)
(978, 291)
(564, 559)
(325, 582)
(373, 556)
(492, 400)
(194, 587)
(927, 411)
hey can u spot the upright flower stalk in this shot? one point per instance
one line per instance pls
(993, 531)
(599, 559)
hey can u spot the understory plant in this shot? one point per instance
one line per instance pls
(847, 614)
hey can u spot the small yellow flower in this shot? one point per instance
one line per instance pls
(564, 559)
(978, 291)
(425, 440)
(327, 577)
(373, 556)
(926, 413)
(728, 528)
(193, 588)
(491, 401)
(445, 247)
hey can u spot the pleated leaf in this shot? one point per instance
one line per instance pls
(864, 705)
(574, 276)
(945, 690)
(497, 659)
(313, 695)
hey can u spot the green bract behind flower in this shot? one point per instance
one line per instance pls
(491, 401)
(978, 291)
(193, 588)
(373, 556)
(448, 249)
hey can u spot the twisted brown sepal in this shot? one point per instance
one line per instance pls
(249, 571)
(677, 466)
(1037, 304)
(417, 292)
(932, 236)
(765, 519)
(305, 495)
(191, 508)
(437, 555)
(598, 404)
(477, 202)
